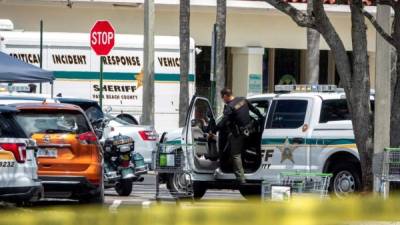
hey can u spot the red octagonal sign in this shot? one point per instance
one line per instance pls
(102, 37)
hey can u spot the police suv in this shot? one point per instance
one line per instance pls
(305, 128)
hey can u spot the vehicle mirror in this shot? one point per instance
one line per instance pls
(193, 122)
(108, 109)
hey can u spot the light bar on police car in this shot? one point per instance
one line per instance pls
(305, 88)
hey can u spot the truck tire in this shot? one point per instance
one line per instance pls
(346, 180)
(177, 187)
(124, 187)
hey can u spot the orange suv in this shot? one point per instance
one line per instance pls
(69, 154)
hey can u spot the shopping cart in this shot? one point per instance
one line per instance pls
(390, 169)
(169, 159)
(296, 183)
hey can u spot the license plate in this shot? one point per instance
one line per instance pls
(47, 152)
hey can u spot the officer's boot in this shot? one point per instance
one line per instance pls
(238, 168)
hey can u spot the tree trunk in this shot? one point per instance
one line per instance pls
(360, 94)
(220, 54)
(313, 39)
(355, 80)
(395, 115)
(184, 38)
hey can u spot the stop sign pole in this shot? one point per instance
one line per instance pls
(102, 40)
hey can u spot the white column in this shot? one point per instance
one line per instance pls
(247, 70)
(148, 64)
(382, 91)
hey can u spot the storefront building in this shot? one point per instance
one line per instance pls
(263, 46)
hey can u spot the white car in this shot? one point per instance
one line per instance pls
(145, 137)
(19, 181)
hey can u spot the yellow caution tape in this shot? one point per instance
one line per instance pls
(299, 211)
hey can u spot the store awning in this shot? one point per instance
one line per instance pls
(13, 70)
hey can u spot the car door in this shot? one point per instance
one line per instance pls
(201, 153)
(284, 140)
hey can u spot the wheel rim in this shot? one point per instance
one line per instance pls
(179, 183)
(344, 184)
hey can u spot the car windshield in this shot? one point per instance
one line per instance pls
(49, 122)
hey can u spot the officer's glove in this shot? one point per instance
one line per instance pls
(211, 137)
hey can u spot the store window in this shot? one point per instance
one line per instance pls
(323, 67)
(287, 66)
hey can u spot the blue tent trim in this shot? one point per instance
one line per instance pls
(13, 70)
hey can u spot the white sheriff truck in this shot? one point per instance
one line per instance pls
(76, 68)
(305, 129)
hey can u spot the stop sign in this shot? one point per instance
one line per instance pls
(102, 37)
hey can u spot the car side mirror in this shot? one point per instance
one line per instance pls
(108, 109)
(193, 123)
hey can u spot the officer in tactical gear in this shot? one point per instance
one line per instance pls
(237, 122)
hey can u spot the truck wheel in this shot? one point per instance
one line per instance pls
(124, 187)
(346, 180)
(177, 187)
(251, 192)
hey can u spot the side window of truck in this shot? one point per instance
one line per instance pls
(334, 110)
(261, 105)
(287, 114)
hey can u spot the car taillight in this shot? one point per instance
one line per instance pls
(87, 138)
(148, 135)
(125, 163)
(18, 150)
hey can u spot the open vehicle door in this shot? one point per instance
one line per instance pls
(203, 153)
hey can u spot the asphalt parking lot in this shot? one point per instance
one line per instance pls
(143, 194)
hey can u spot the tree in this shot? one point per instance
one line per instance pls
(353, 72)
(220, 53)
(394, 40)
(184, 38)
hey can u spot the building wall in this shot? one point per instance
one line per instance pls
(257, 27)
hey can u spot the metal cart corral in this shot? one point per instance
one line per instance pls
(390, 169)
(297, 183)
(171, 159)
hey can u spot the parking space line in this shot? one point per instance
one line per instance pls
(113, 207)
(146, 204)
